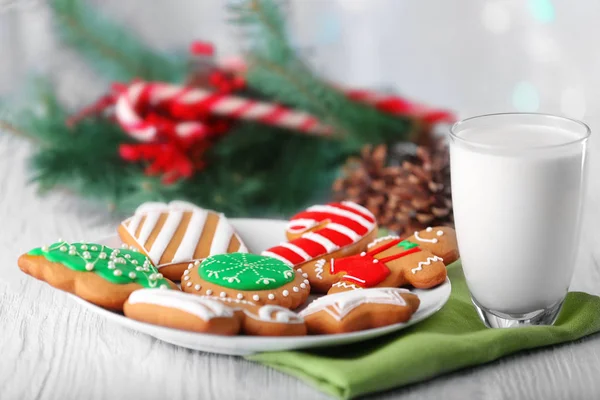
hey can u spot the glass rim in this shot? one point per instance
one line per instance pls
(586, 130)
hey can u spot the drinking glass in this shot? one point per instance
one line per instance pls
(518, 184)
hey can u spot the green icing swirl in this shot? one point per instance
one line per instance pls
(406, 245)
(120, 266)
(243, 271)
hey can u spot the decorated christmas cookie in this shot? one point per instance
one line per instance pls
(175, 234)
(96, 273)
(359, 310)
(249, 277)
(419, 260)
(210, 314)
(321, 233)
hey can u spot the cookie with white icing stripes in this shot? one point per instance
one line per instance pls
(215, 315)
(249, 277)
(390, 261)
(175, 234)
(321, 233)
(359, 310)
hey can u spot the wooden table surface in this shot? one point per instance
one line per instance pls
(51, 348)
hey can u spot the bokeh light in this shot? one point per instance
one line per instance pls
(495, 17)
(526, 97)
(542, 10)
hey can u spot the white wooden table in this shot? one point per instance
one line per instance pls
(51, 348)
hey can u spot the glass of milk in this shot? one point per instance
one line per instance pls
(517, 187)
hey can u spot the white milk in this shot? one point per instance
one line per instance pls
(517, 210)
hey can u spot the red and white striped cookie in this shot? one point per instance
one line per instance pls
(176, 234)
(323, 232)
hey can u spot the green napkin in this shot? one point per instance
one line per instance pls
(452, 339)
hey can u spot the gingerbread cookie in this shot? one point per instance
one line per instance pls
(392, 262)
(175, 234)
(215, 315)
(359, 310)
(94, 272)
(321, 233)
(250, 277)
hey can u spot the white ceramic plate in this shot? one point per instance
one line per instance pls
(258, 235)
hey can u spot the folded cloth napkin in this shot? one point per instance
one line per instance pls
(452, 339)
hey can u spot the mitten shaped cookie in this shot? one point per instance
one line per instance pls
(359, 309)
(215, 315)
(393, 262)
(248, 277)
(175, 234)
(94, 272)
(321, 233)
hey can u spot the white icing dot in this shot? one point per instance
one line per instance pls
(127, 255)
(429, 229)
(111, 265)
(94, 248)
(102, 256)
(72, 252)
(230, 280)
(186, 278)
(139, 268)
(299, 270)
(63, 248)
(208, 292)
(434, 241)
(305, 275)
(84, 247)
(190, 266)
(87, 255)
(134, 261)
(306, 281)
(159, 276)
(197, 287)
(44, 248)
(375, 261)
(188, 284)
(240, 296)
(132, 275)
(440, 233)
(89, 266)
(196, 263)
(255, 297)
(363, 254)
(285, 293)
(60, 239)
(271, 296)
(295, 289)
(223, 294)
(303, 285)
(124, 246)
(117, 272)
(163, 286)
(186, 272)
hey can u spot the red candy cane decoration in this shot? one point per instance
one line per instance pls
(348, 222)
(189, 102)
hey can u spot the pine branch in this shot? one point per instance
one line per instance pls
(276, 70)
(111, 49)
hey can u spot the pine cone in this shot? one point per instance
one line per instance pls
(406, 197)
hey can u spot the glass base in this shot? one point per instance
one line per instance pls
(495, 319)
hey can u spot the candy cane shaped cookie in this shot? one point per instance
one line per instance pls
(215, 315)
(176, 234)
(323, 232)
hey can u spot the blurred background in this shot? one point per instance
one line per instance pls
(472, 57)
